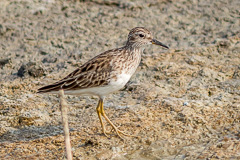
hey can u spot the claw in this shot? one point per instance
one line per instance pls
(121, 132)
(106, 134)
(100, 112)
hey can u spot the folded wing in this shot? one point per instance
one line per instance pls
(95, 72)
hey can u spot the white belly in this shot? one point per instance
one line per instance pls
(113, 86)
(122, 79)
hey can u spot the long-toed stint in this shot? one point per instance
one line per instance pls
(106, 73)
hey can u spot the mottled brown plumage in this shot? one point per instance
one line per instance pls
(107, 72)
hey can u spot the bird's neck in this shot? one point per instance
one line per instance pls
(134, 48)
(132, 58)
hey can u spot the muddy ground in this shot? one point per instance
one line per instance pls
(182, 103)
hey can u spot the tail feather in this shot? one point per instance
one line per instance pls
(51, 87)
(63, 84)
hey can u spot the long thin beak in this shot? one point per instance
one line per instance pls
(154, 41)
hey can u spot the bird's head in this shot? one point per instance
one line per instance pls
(140, 37)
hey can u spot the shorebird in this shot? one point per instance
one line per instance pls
(106, 73)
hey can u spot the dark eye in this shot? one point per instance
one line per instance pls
(141, 35)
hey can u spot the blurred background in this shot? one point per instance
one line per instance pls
(183, 103)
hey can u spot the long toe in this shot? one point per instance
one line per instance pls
(119, 132)
(106, 133)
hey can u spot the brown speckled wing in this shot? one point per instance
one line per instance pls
(95, 72)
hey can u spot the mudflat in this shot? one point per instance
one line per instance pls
(182, 103)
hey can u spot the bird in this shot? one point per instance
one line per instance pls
(106, 73)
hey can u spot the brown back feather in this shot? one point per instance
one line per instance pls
(96, 72)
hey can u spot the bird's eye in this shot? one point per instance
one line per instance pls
(141, 35)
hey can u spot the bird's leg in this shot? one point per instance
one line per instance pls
(100, 118)
(107, 119)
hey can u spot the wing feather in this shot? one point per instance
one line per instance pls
(95, 72)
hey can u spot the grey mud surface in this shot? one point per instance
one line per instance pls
(182, 103)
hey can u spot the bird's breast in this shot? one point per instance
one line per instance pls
(120, 80)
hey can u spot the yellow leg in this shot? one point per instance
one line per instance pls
(100, 118)
(101, 110)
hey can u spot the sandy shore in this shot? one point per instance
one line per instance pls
(182, 103)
